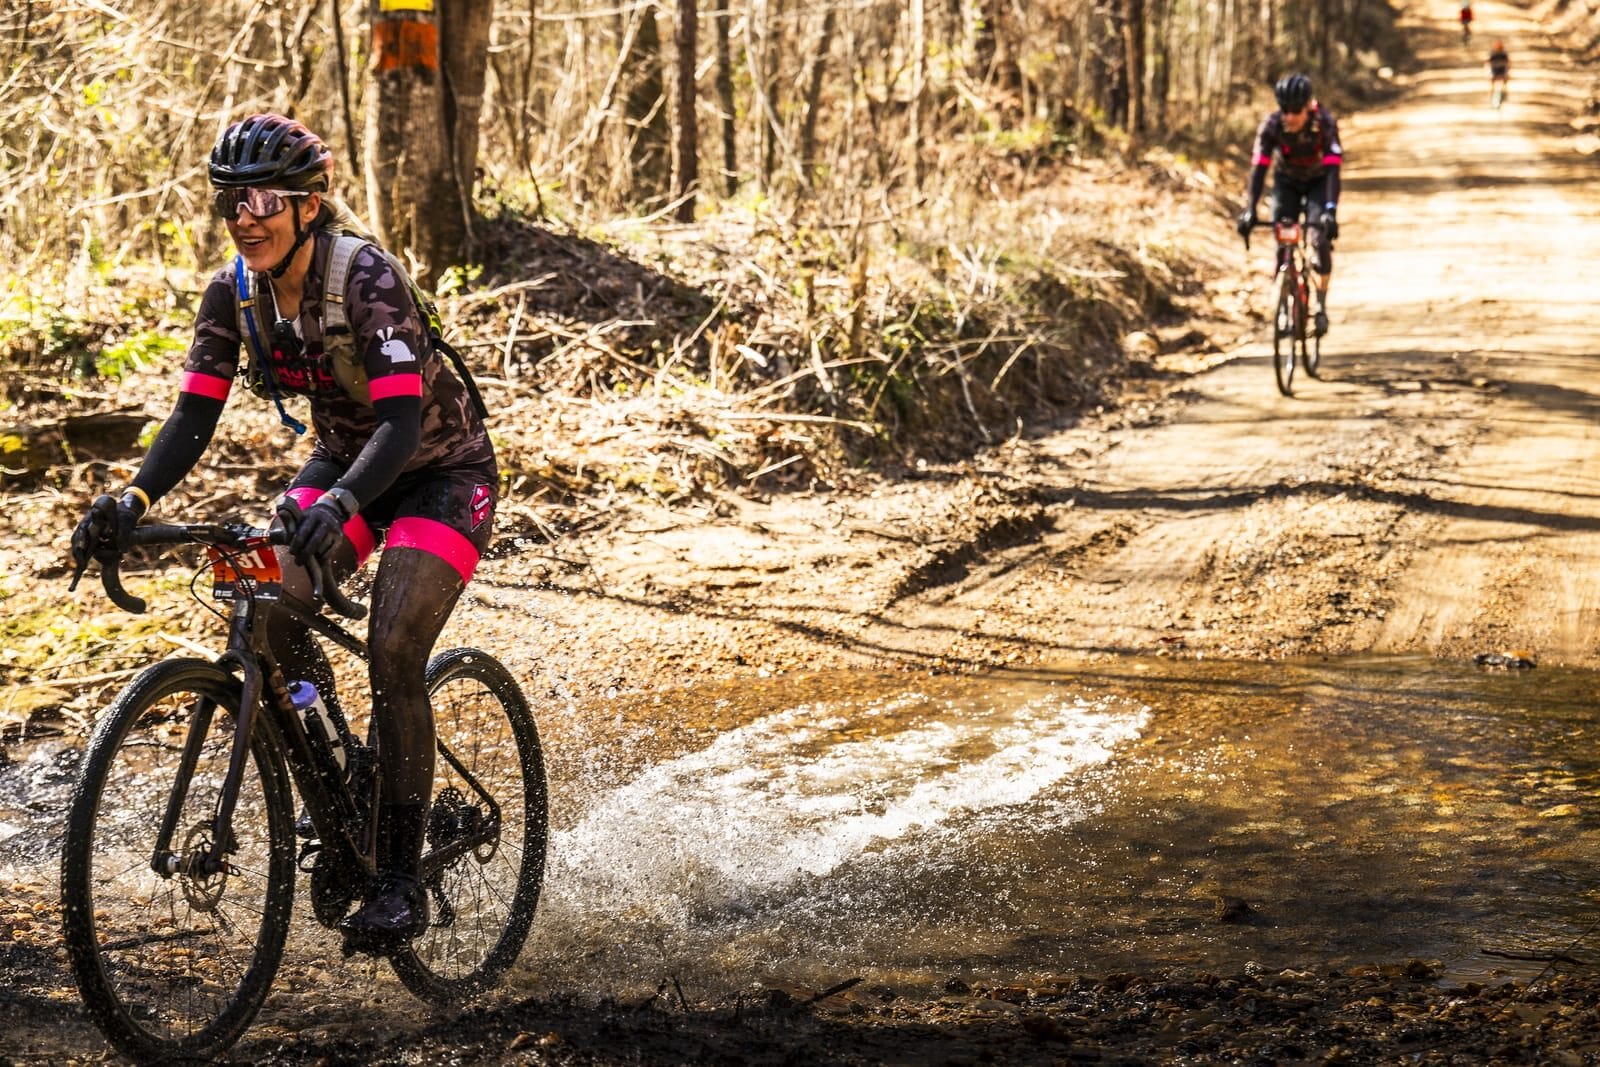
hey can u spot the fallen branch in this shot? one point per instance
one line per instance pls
(779, 416)
(848, 983)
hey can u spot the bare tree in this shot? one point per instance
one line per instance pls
(422, 127)
(686, 160)
(814, 76)
(725, 102)
(646, 109)
(1133, 30)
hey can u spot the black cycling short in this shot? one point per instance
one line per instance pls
(1292, 198)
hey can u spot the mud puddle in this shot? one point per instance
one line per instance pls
(1130, 815)
(1126, 816)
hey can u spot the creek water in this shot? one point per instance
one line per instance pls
(1125, 815)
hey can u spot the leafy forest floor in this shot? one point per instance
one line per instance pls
(1428, 495)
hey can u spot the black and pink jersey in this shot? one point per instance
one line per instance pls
(393, 346)
(1302, 156)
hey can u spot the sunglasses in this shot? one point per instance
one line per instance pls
(262, 203)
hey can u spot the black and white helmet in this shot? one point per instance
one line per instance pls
(273, 152)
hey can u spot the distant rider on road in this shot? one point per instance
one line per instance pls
(1499, 72)
(1304, 138)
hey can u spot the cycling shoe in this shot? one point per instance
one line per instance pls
(394, 915)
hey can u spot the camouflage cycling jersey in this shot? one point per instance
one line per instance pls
(1302, 156)
(390, 339)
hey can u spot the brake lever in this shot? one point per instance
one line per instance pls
(323, 589)
(111, 579)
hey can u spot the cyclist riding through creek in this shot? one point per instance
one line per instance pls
(1303, 138)
(400, 458)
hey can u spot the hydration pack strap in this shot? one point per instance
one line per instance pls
(334, 319)
(244, 280)
(336, 323)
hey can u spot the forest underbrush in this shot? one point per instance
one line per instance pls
(747, 353)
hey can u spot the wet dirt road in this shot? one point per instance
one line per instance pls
(1434, 494)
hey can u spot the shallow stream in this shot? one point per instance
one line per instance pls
(1131, 815)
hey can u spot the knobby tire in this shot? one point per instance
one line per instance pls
(482, 720)
(1311, 350)
(1285, 329)
(174, 968)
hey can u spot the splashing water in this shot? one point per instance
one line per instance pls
(770, 810)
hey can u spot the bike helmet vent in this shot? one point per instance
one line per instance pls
(271, 151)
(1293, 92)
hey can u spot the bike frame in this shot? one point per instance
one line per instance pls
(329, 801)
(1292, 258)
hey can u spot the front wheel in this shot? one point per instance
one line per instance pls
(174, 964)
(483, 899)
(1286, 330)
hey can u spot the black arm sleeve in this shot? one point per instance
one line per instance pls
(1258, 182)
(1333, 185)
(179, 445)
(387, 452)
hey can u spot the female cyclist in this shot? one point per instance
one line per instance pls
(399, 457)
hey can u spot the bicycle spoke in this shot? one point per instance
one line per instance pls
(173, 966)
(482, 908)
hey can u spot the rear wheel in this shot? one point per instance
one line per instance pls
(175, 965)
(482, 901)
(1285, 327)
(1312, 354)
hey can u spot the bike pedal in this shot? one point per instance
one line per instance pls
(376, 947)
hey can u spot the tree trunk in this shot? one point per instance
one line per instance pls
(686, 161)
(1133, 61)
(1324, 36)
(764, 71)
(819, 66)
(426, 99)
(1160, 61)
(984, 44)
(730, 125)
(464, 27)
(646, 113)
(919, 78)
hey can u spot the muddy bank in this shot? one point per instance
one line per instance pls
(1393, 1013)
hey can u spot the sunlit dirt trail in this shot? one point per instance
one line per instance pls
(1436, 491)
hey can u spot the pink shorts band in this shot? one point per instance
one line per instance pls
(437, 539)
(357, 530)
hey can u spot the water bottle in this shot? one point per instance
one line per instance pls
(308, 702)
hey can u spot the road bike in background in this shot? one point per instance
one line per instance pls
(1294, 340)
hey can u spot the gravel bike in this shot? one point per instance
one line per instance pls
(1293, 336)
(179, 861)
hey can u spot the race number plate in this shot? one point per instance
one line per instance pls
(250, 570)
